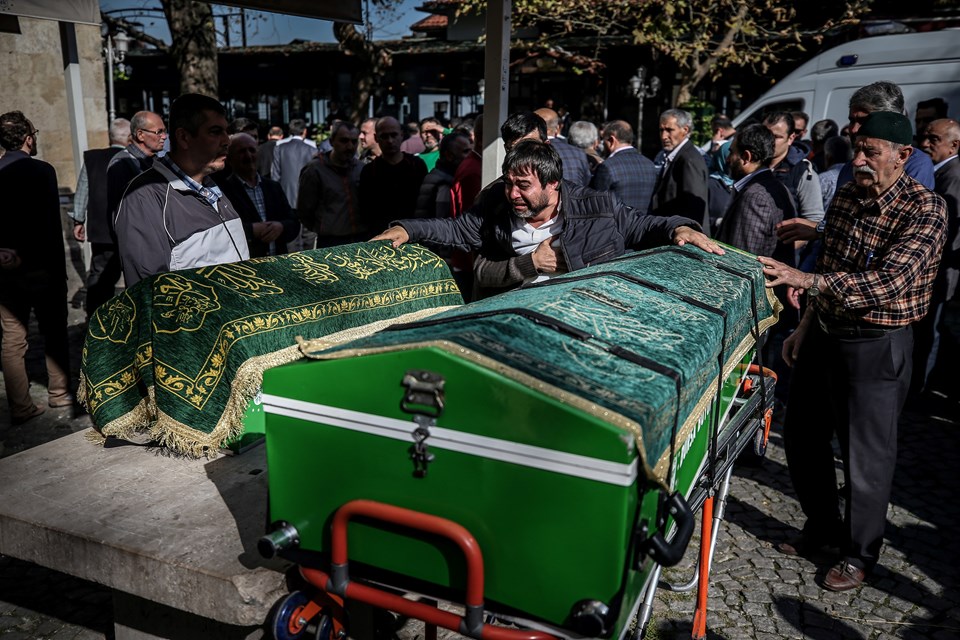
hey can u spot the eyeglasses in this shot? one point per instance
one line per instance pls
(158, 132)
(34, 133)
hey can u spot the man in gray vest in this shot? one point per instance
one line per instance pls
(92, 219)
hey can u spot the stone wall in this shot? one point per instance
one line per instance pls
(33, 81)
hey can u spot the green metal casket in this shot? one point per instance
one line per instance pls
(552, 412)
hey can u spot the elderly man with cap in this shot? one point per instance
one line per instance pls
(852, 350)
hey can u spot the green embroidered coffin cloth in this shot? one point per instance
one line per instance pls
(180, 354)
(611, 339)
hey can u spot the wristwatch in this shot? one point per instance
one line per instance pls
(814, 289)
(821, 226)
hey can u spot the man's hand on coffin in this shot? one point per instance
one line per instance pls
(778, 273)
(396, 235)
(547, 259)
(794, 229)
(685, 235)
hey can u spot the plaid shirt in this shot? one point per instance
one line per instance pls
(880, 256)
(211, 193)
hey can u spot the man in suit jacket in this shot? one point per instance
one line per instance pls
(576, 168)
(290, 156)
(760, 201)
(92, 219)
(626, 172)
(941, 140)
(682, 185)
(268, 220)
(265, 151)
(31, 228)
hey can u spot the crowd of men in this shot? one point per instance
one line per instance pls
(856, 228)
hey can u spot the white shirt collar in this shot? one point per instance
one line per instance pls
(740, 184)
(937, 166)
(676, 150)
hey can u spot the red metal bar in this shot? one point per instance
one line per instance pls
(417, 610)
(415, 520)
(703, 581)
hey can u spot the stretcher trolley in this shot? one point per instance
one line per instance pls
(536, 457)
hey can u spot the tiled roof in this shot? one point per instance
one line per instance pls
(430, 23)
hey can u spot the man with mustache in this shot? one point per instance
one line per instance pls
(851, 353)
(538, 225)
(173, 216)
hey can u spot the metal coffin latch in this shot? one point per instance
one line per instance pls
(423, 399)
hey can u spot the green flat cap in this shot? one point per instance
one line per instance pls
(887, 125)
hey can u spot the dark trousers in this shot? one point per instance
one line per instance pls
(855, 388)
(103, 276)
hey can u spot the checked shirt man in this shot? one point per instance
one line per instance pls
(852, 350)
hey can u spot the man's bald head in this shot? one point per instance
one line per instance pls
(551, 118)
(941, 139)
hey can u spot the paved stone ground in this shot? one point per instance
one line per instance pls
(755, 592)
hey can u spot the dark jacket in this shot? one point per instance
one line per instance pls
(948, 186)
(576, 169)
(277, 208)
(596, 228)
(99, 221)
(682, 190)
(30, 216)
(630, 176)
(750, 221)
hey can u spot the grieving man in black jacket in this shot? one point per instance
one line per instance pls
(533, 225)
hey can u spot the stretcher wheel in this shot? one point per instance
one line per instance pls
(324, 629)
(759, 443)
(287, 623)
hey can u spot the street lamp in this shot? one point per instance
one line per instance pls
(116, 51)
(642, 90)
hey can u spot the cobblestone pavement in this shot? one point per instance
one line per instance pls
(754, 591)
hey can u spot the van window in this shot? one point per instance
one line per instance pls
(770, 107)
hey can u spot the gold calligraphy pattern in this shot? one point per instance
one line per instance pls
(184, 303)
(241, 278)
(371, 259)
(311, 270)
(114, 319)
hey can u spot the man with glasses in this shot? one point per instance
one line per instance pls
(35, 277)
(147, 138)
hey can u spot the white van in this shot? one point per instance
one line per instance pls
(924, 65)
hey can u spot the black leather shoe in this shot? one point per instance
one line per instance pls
(805, 546)
(843, 577)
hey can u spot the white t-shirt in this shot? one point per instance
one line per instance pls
(526, 238)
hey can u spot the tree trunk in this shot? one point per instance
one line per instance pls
(194, 45)
(374, 61)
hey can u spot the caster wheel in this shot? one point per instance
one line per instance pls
(287, 623)
(324, 629)
(759, 446)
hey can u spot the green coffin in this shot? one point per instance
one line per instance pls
(560, 413)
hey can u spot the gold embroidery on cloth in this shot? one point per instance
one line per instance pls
(241, 278)
(182, 303)
(114, 320)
